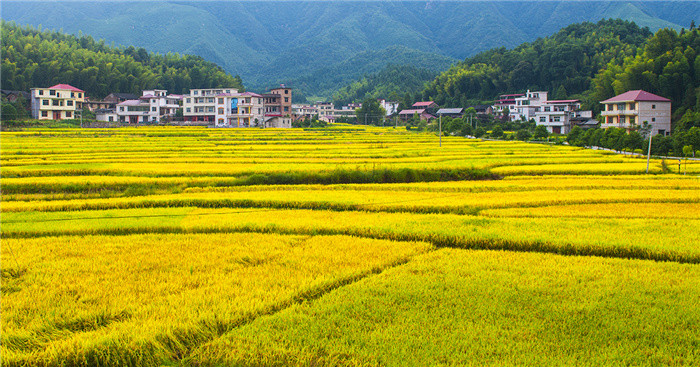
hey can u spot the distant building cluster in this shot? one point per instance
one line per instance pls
(558, 116)
(328, 112)
(227, 107)
(223, 107)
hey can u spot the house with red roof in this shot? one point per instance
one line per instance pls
(425, 110)
(58, 102)
(422, 113)
(632, 109)
(428, 105)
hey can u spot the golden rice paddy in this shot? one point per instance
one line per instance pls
(342, 246)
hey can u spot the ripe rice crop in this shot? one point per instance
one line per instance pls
(194, 246)
(455, 307)
(147, 298)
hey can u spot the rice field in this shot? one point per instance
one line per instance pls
(349, 246)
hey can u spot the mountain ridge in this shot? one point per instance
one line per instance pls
(288, 41)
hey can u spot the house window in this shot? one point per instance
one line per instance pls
(286, 99)
(52, 92)
(121, 109)
(153, 109)
(286, 109)
(546, 109)
(662, 132)
(228, 91)
(187, 100)
(221, 101)
(189, 109)
(80, 95)
(653, 119)
(610, 107)
(543, 119)
(622, 119)
(631, 119)
(55, 102)
(72, 95)
(221, 111)
(653, 107)
(68, 114)
(41, 92)
(195, 92)
(286, 91)
(45, 102)
(110, 118)
(556, 119)
(69, 103)
(44, 113)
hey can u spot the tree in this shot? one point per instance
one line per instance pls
(522, 134)
(497, 131)
(479, 132)
(560, 93)
(8, 112)
(574, 136)
(466, 130)
(370, 113)
(541, 132)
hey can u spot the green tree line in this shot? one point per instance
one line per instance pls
(35, 58)
(564, 64)
(391, 83)
(668, 66)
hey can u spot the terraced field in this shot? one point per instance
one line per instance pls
(341, 246)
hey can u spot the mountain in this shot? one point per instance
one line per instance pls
(563, 64)
(289, 41)
(393, 82)
(31, 58)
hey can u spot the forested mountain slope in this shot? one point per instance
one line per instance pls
(669, 66)
(292, 41)
(564, 64)
(31, 58)
(394, 82)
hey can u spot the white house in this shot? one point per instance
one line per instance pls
(558, 116)
(152, 106)
(390, 107)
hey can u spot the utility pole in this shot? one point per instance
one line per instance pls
(649, 150)
(440, 133)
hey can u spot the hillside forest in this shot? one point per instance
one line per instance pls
(32, 58)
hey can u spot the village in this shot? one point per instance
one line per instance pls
(227, 107)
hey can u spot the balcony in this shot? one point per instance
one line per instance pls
(619, 112)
